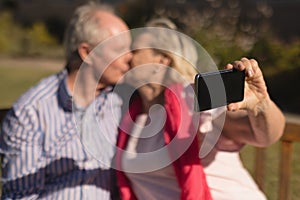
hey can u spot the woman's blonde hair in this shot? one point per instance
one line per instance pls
(178, 47)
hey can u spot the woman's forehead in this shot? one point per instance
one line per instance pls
(143, 40)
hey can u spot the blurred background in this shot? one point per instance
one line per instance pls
(32, 31)
(267, 30)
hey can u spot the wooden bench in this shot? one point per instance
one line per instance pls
(291, 135)
(2, 113)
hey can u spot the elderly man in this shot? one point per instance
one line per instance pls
(42, 140)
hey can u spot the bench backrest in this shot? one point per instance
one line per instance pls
(3, 111)
(291, 135)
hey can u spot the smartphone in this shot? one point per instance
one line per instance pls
(219, 88)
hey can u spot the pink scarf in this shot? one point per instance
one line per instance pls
(178, 127)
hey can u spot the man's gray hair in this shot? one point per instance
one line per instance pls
(84, 27)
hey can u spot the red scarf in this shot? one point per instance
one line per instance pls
(180, 130)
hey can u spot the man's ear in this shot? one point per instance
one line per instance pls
(83, 50)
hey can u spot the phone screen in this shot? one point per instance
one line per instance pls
(215, 89)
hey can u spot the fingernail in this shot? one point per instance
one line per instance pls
(250, 73)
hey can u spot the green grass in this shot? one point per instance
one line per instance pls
(16, 76)
(272, 169)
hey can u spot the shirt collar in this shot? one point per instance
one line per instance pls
(64, 95)
(66, 99)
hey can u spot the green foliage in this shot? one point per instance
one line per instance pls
(10, 34)
(273, 55)
(38, 39)
(221, 50)
(18, 41)
(229, 30)
(276, 56)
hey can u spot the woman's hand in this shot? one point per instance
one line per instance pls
(255, 92)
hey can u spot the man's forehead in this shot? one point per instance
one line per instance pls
(118, 39)
(111, 22)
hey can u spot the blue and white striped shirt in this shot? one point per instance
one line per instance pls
(43, 142)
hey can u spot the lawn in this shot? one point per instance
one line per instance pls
(17, 75)
(272, 167)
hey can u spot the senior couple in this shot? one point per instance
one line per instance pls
(64, 138)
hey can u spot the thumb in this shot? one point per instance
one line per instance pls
(235, 106)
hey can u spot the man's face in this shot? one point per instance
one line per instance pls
(110, 59)
(115, 58)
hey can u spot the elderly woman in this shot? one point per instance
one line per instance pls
(160, 135)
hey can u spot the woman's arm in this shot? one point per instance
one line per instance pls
(256, 120)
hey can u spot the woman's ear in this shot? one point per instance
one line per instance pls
(165, 60)
(83, 51)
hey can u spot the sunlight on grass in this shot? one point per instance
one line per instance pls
(15, 80)
(272, 169)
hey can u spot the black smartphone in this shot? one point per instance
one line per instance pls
(219, 88)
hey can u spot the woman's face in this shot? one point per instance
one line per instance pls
(143, 52)
(147, 65)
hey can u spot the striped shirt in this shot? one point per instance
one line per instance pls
(53, 150)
